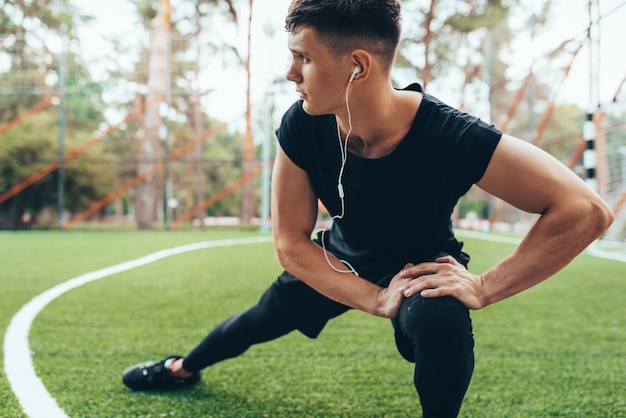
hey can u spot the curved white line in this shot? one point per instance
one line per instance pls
(593, 249)
(18, 365)
(597, 252)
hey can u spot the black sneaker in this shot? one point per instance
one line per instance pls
(156, 376)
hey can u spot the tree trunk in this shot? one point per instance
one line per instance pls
(198, 129)
(427, 71)
(148, 193)
(248, 195)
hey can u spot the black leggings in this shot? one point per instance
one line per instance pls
(434, 333)
(263, 322)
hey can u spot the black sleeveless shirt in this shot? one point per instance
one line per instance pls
(398, 207)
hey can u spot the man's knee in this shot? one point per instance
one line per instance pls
(435, 323)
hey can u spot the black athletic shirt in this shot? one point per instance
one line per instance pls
(398, 207)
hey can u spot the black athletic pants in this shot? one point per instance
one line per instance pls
(435, 334)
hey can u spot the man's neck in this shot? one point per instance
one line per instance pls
(379, 123)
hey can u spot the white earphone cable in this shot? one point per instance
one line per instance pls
(343, 146)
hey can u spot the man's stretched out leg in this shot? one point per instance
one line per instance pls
(287, 305)
(262, 322)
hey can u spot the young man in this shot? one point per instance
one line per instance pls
(389, 165)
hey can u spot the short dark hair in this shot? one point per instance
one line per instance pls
(345, 25)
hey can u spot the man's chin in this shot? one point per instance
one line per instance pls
(310, 110)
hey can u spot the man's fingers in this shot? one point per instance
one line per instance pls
(434, 293)
(423, 269)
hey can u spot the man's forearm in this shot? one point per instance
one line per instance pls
(551, 244)
(308, 262)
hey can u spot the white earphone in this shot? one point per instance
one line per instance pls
(357, 69)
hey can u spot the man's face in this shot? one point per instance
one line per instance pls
(318, 76)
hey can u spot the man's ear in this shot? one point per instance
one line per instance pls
(363, 60)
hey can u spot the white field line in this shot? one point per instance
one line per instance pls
(597, 252)
(18, 365)
(592, 250)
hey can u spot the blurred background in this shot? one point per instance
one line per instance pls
(159, 114)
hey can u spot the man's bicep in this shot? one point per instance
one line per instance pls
(294, 205)
(528, 177)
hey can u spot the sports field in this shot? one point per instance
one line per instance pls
(557, 350)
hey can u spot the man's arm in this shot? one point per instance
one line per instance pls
(294, 213)
(571, 217)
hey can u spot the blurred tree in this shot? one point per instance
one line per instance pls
(30, 72)
(203, 10)
(30, 22)
(150, 148)
(456, 39)
(564, 132)
(248, 195)
(32, 146)
(25, 32)
(467, 43)
(164, 22)
(223, 155)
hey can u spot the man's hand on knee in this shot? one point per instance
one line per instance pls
(444, 277)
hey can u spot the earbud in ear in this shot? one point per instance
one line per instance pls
(357, 69)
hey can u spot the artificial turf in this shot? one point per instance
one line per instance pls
(556, 350)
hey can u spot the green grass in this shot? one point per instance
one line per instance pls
(557, 350)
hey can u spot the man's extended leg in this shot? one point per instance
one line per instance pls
(263, 322)
(439, 332)
(288, 304)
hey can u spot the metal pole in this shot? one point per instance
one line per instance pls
(267, 140)
(265, 179)
(590, 159)
(166, 130)
(598, 54)
(61, 136)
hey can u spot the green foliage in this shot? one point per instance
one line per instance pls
(146, 9)
(488, 17)
(224, 156)
(564, 132)
(23, 151)
(17, 16)
(32, 146)
(191, 44)
(553, 351)
(451, 47)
